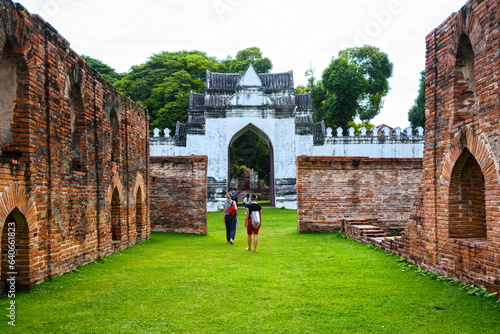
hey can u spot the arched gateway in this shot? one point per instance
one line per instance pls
(232, 104)
(267, 105)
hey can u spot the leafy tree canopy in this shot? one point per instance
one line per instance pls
(416, 114)
(243, 59)
(353, 85)
(164, 82)
(106, 71)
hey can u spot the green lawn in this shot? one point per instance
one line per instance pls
(295, 283)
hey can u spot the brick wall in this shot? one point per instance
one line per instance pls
(68, 142)
(456, 230)
(179, 194)
(454, 227)
(333, 189)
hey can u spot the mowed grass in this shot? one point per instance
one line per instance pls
(295, 283)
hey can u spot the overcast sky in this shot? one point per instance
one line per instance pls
(295, 34)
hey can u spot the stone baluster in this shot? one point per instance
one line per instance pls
(420, 131)
(397, 132)
(351, 132)
(156, 132)
(329, 132)
(408, 131)
(340, 132)
(362, 131)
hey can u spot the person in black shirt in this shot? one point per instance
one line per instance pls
(253, 222)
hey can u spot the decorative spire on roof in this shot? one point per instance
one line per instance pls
(250, 78)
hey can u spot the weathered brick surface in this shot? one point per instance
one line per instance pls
(179, 194)
(333, 189)
(456, 230)
(58, 165)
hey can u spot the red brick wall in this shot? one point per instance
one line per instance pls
(332, 189)
(457, 228)
(454, 228)
(179, 194)
(56, 173)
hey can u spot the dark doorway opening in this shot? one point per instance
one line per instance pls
(467, 204)
(15, 254)
(251, 164)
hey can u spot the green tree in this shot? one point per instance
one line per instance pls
(106, 71)
(343, 85)
(243, 59)
(353, 85)
(163, 83)
(169, 100)
(378, 70)
(416, 114)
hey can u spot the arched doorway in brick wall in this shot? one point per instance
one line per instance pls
(139, 214)
(470, 177)
(256, 130)
(116, 216)
(15, 259)
(466, 204)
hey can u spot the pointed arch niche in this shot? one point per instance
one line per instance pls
(464, 82)
(77, 122)
(116, 216)
(470, 179)
(15, 253)
(115, 135)
(13, 70)
(467, 206)
(256, 130)
(139, 213)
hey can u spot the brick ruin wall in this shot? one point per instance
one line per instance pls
(333, 191)
(179, 194)
(74, 161)
(74, 155)
(456, 229)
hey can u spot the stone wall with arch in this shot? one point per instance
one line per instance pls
(60, 153)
